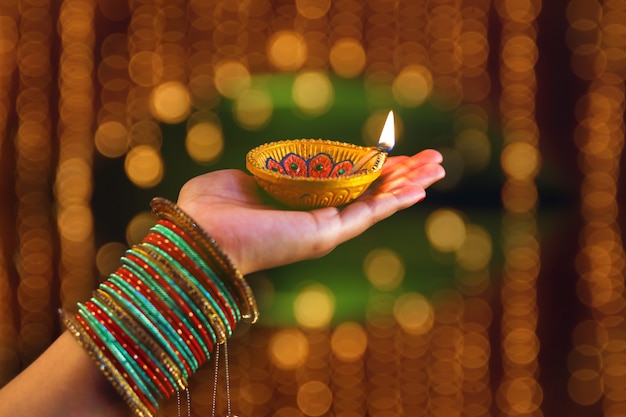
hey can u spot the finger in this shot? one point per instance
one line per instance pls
(429, 174)
(365, 212)
(427, 156)
(406, 174)
(400, 165)
(412, 168)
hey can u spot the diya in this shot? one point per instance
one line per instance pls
(311, 173)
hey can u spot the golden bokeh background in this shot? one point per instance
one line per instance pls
(501, 295)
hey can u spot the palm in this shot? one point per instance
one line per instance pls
(257, 235)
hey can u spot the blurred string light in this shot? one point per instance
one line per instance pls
(448, 231)
(9, 350)
(347, 54)
(519, 391)
(9, 359)
(460, 49)
(596, 362)
(311, 21)
(73, 187)
(33, 168)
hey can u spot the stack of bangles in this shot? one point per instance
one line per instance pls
(157, 318)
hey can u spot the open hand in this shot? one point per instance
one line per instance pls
(257, 235)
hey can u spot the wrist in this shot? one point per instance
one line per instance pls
(219, 232)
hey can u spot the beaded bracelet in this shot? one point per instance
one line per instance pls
(175, 297)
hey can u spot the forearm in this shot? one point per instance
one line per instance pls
(144, 331)
(62, 382)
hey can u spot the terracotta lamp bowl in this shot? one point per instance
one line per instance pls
(310, 173)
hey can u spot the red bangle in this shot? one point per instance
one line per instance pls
(110, 357)
(207, 339)
(167, 312)
(170, 247)
(173, 348)
(129, 345)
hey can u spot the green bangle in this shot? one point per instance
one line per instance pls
(140, 317)
(207, 310)
(143, 304)
(173, 306)
(194, 286)
(215, 257)
(174, 281)
(135, 330)
(198, 260)
(146, 378)
(121, 355)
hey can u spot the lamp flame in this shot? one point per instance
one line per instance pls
(387, 139)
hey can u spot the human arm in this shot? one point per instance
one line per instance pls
(65, 382)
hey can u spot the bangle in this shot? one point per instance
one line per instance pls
(164, 235)
(175, 297)
(212, 253)
(162, 285)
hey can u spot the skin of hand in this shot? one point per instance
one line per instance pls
(64, 382)
(257, 236)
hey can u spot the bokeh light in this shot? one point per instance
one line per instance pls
(314, 306)
(111, 139)
(145, 133)
(314, 398)
(520, 160)
(313, 9)
(288, 348)
(286, 50)
(412, 86)
(347, 57)
(144, 166)
(313, 93)
(145, 68)
(138, 227)
(349, 341)
(231, 78)
(476, 251)
(446, 230)
(108, 257)
(205, 140)
(384, 269)
(414, 313)
(170, 102)
(253, 109)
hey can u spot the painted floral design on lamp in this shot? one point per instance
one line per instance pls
(318, 166)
